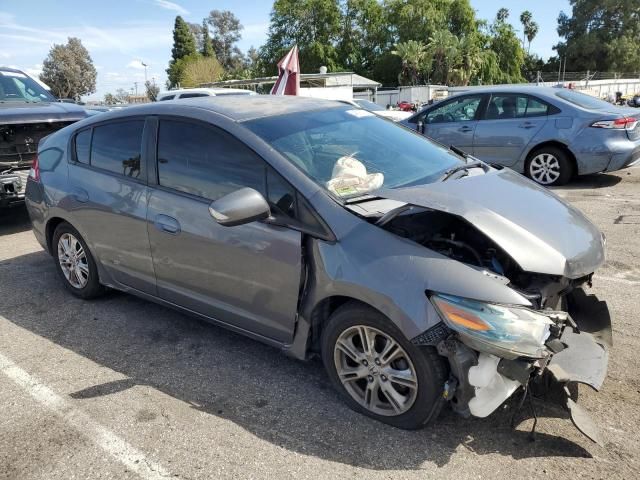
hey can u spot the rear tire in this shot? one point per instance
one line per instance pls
(367, 378)
(74, 263)
(549, 166)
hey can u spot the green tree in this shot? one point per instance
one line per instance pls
(183, 46)
(600, 34)
(412, 54)
(152, 90)
(364, 36)
(207, 47)
(109, 99)
(507, 48)
(69, 70)
(225, 32)
(313, 25)
(196, 69)
(529, 29)
(502, 15)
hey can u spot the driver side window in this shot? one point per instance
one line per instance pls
(458, 110)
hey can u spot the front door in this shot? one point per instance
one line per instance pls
(509, 124)
(247, 276)
(454, 121)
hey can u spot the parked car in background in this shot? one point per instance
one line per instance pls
(201, 92)
(549, 134)
(28, 112)
(395, 115)
(634, 101)
(418, 275)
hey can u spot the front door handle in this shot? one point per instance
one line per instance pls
(465, 129)
(527, 125)
(167, 224)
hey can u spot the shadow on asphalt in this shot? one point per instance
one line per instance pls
(595, 180)
(14, 220)
(283, 401)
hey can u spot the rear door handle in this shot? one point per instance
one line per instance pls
(465, 129)
(168, 224)
(527, 125)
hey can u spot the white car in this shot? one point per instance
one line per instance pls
(201, 92)
(395, 115)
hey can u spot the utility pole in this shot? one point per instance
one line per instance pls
(145, 70)
(136, 85)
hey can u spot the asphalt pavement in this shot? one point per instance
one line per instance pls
(123, 388)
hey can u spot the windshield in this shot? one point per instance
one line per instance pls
(582, 99)
(367, 105)
(16, 86)
(351, 152)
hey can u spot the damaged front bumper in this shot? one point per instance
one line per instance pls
(578, 353)
(12, 187)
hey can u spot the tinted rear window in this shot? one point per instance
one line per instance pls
(193, 95)
(168, 97)
(116, 147)
(582, 99)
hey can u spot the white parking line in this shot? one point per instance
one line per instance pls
(108, 441)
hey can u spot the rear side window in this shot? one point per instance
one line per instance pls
(168, 97)
(205, 161)
(509, 106)
(193, 95)
(83, 146)
(116, 147)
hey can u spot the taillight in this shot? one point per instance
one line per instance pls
(34, 172)
(625, 123)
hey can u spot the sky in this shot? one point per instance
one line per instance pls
(121, 35)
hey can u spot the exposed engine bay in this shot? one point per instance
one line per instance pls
(19, 143)
(454, 237)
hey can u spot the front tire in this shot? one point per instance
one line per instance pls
(549, 166)
(378, 372)
(74, 263)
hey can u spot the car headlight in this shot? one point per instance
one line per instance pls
(509, 332)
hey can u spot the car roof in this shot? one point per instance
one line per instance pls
(525, 89)
(215, 91)
(238, 108)
(12, 70)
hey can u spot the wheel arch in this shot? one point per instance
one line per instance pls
(50, 228)
(552, 143)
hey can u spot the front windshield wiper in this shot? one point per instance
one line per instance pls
(467, 166)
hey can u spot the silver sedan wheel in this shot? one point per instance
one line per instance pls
(73, 260)
(375, 370)
(544, 168)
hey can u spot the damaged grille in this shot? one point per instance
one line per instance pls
(19, 143)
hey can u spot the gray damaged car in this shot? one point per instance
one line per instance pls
(420, 276)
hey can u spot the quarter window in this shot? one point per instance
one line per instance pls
(83, 146)
(116, 147)
(193, 95)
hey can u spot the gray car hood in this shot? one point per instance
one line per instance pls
(23, 112)
(541, 232)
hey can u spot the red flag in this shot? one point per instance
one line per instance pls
(288, 82)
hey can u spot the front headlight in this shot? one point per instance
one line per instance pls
(509, 332)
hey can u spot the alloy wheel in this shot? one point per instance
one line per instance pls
(375, 370)
(73, 260)
(544, 168)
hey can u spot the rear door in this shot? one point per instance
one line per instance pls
(109, 195)
(453, 122)
(247, 276)
(508, 125)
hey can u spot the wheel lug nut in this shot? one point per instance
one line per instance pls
(383, 377)
(365, 363)
(377, 361)
(370, 378)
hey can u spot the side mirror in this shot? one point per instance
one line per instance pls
(237, 208)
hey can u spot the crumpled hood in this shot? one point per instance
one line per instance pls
(23, 112)
(540, 231)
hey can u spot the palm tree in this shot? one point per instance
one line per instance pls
(444, 49)
(525, 20)
(413, 54)
(531, 33)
